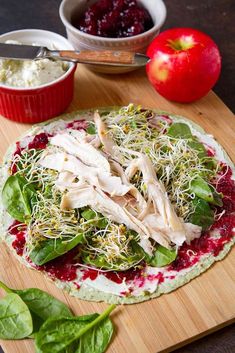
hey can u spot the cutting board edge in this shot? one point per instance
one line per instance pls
(199, 336)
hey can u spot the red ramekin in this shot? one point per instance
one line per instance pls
(40, 103)
(36, 104)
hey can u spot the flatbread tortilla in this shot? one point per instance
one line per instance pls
(141, 282)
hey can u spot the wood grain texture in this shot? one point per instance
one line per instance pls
(159, 325)
(104, 56)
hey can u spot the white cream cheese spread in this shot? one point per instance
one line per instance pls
(30, 73)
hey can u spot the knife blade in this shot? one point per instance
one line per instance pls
(103, 57)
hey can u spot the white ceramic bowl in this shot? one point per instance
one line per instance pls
(84, 41)
(31, 105)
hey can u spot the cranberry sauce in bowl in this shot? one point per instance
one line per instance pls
(114, 19)
(127, 25)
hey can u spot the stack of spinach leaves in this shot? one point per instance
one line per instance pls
(33, 313)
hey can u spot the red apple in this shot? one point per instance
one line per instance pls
(185, 64)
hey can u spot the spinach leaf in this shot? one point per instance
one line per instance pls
(88, 214)
(162, 257)
(91, 129)
(203, 215)
(99, 220)
(15, 318)
(201, 189)
(122, 263)
(84, 334)
(17, 195)
(100, 261)
(48, 250)
(206, 192)
(210, 163)
(217, 198)
(197, 146)
(42, 306)
(180, 130)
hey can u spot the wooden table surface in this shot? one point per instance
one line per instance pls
(212, 19)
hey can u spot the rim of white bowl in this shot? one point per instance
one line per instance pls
(45, 32)
(156, 26)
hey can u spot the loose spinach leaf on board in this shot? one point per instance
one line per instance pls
(84, 334)
(206, 192)
(48, 250)
(17, 196)
(41, 305)
(203, 215)
(162, 257)
(15, 318)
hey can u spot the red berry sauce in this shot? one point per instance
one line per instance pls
(114, 276)
(18, 152)
(226, 186)
(159, 276)
(77, 125)
(19, 243)
(18, 230)
(90, 273)
(210, 152)
(189, 255)
(63, 267)
(129, 275)
(114, 19)
(40, 141)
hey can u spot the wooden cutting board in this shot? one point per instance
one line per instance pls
(163, 324)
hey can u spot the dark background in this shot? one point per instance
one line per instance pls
(215, 17)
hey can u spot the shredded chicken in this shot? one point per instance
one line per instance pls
(108, 144)
(89, 177)
(95, 176)
(87, 153)
(158, 196)
(100, 202)
(141, 203)
(82, 137)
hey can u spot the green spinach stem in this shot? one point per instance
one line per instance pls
(7, 289)
(96, 321)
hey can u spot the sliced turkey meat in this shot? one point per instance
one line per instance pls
(141, 203)
(90, 178)
(108, 144)
(94, 176)
(87, 153)
(100, 202)
(83, 137)
(171, 225)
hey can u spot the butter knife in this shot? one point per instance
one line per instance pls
(103, 57)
